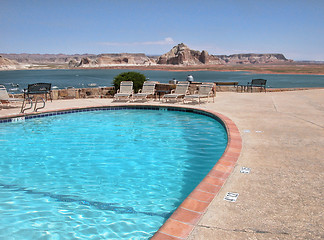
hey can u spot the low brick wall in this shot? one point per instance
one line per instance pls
(106, 92)
(226, 89)
(71, 93)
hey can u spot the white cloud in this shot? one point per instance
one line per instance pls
(166, 41)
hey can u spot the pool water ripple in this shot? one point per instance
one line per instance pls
(102, 175)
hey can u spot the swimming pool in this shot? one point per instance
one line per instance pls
(102, 174)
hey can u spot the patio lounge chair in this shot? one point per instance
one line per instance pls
(147, 90)
(205, 91)
(125, 91)
(6, 100)
(179, 92)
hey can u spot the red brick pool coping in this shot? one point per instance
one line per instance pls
(186, 217)
(181, 223)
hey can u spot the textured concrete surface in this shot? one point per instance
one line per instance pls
(283, 144)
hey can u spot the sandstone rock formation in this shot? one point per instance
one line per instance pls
(73, 63)
(87, 62)
(204, 57)
(25, 58)
(104, 60)
(124, 58)
(183, 55)
(252, 58)
(178, 55)
(7, 64)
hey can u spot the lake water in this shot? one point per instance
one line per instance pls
(80, 78)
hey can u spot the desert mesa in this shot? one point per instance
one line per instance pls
(179, 58)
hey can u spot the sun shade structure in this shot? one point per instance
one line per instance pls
(125, 92)
(147, 90)
(179, 92)
(205, 91)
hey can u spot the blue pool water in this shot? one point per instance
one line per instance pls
(102, 174)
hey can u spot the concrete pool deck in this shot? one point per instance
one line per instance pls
(283, 145)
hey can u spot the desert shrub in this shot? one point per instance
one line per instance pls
(137, 78)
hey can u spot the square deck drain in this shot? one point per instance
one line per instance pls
(231, 197)
(245, 170)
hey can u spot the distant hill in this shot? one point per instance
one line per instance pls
(253, 58)
(178, 55)
(309, 62)
(45, 58)
(7, 64)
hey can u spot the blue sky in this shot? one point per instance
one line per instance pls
(292, 27)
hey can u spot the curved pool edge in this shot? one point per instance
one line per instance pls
(185, 218)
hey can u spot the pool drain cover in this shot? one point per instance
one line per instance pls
(245, 170)
(231, 197)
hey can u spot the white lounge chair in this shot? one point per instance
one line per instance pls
(179, 92)
(205, 91)
(6, 100)
(147, 90)
(125, 91)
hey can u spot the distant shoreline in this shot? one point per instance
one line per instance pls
(308, 69)
(294, 69)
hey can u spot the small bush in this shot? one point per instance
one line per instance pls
(137, 78)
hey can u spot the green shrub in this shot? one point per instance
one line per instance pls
(137, 78)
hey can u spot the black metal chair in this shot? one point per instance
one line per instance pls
(261, 83)
(38, 88)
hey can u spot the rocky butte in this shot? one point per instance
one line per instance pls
(180, 55)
